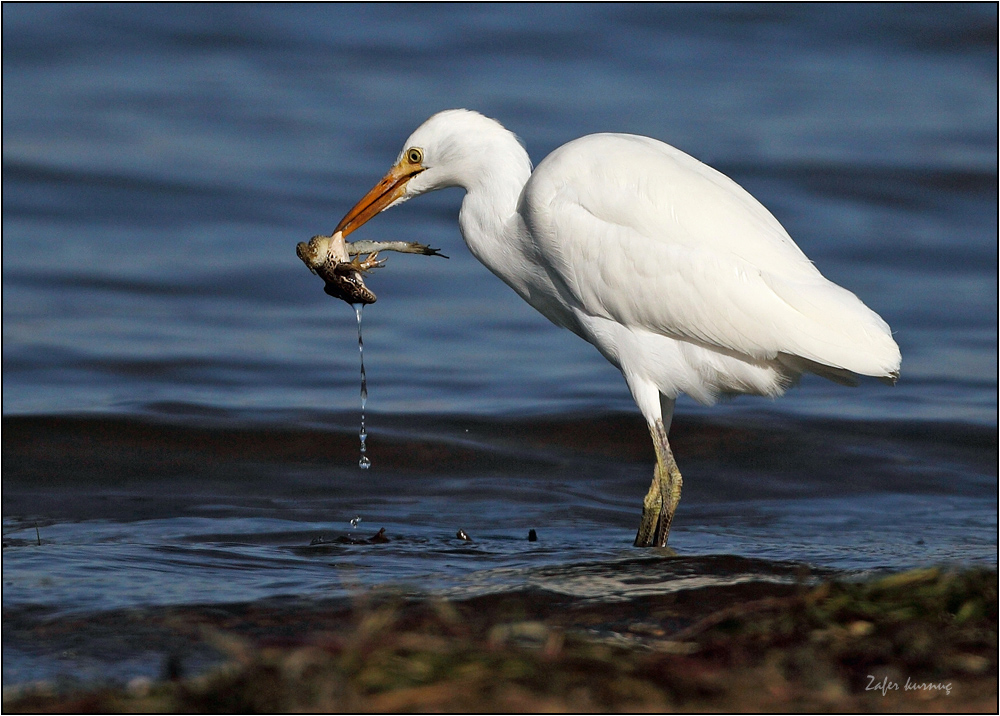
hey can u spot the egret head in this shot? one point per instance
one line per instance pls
(455, 147)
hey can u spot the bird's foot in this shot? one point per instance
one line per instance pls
(663, 526)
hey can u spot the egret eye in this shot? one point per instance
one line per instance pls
(414, 155)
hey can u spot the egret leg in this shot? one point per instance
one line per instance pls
(664, 493)
(652, 505)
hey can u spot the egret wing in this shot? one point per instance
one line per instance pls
(637, 231)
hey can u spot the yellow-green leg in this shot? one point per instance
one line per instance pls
(664, 493)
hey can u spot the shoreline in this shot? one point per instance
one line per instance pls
(918, 640)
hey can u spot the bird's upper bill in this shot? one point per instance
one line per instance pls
(391, 188)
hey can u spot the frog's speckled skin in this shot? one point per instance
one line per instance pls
(329, 258)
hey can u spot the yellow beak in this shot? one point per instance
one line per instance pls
(389, 189)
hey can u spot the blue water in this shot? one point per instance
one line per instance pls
(161, 162)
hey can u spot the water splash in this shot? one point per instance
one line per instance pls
(364, 462)
(355, 521)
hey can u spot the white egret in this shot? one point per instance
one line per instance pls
(679, 277)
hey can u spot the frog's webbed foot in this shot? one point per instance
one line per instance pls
(363, 266)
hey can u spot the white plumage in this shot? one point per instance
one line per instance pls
(675, 273)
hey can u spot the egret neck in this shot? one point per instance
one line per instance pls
(488, 219)
(494, 174)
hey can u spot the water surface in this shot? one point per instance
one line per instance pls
(180, 399)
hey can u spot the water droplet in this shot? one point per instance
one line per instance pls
(364, 462)
(355, 521)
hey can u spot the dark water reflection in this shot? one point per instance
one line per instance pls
(130, 514)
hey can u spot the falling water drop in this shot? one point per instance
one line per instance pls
(355, 521)
(364, 463)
